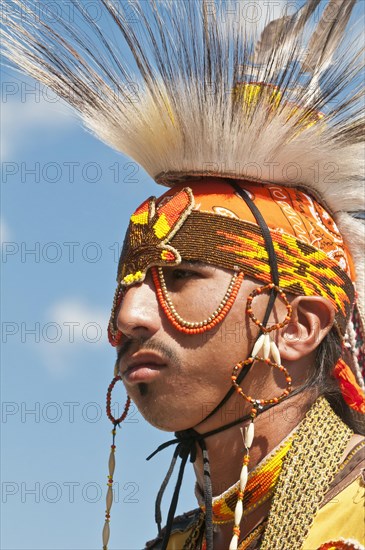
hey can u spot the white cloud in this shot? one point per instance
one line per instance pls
(19, 119)
(72, 329)
(73, 310)
(5, 234)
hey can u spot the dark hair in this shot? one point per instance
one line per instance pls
(328, 353)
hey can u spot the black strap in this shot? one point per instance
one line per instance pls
(274, 275)
(208, 496)
(186, 446)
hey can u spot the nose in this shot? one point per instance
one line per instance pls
(139, 315)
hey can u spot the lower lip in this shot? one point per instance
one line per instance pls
(142, 373)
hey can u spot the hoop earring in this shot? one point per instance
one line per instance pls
(281, 294)
(201, 326)
(116, 422)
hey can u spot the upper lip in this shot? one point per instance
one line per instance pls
(143, 358)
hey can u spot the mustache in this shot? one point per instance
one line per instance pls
(147, 344)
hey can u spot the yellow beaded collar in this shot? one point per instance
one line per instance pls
(260, 486)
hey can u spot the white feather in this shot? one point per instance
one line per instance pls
(158, 86)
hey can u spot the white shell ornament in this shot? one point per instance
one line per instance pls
(258, 345)
(266, 346)
(249, 435)
(243, 477)
(275, 353)
(238, 512)
(234, 543)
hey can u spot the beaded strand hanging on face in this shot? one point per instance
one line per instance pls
(200, 326)
(111, 465)
(114, 335)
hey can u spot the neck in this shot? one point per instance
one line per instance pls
(226, 448)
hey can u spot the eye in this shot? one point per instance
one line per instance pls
(177, 277)
(183, 274)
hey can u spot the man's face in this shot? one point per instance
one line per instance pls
(176, 379)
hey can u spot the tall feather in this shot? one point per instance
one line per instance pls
(328, 34)
(163, 82)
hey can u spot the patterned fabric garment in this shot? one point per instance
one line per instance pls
(338, 521)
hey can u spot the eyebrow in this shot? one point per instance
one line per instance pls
(193, 263)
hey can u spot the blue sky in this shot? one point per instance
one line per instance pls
(66, 202)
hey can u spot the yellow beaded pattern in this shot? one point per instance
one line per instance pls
(260, 487)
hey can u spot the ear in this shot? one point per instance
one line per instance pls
(312, 319)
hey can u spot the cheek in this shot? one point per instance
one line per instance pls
(210, 363)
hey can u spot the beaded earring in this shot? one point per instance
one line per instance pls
(116, 422)
(200, 326)
(281, 294)
(265, 346)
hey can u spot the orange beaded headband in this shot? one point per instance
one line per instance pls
(218, 228)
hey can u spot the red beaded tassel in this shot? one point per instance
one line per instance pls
(116, 422)
(350, 389)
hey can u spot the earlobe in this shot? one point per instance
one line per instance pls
(312, 319)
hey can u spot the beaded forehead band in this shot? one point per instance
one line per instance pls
(218, 229)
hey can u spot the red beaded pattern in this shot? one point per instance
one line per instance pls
(339, 545)
(259, 290)
(195, 327)
(116, 421)
(150, 231)
(261, 402)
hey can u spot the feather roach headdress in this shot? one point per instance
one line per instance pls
(193, 87)
(221, 90)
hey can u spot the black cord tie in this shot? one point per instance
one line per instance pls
(186, 447)
(208, 496)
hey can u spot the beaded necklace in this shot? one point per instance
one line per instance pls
(260, 487)
(317, 444)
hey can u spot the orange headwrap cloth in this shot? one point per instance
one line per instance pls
(218, 228)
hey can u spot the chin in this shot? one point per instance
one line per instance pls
(164, 422)
(165, 412)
